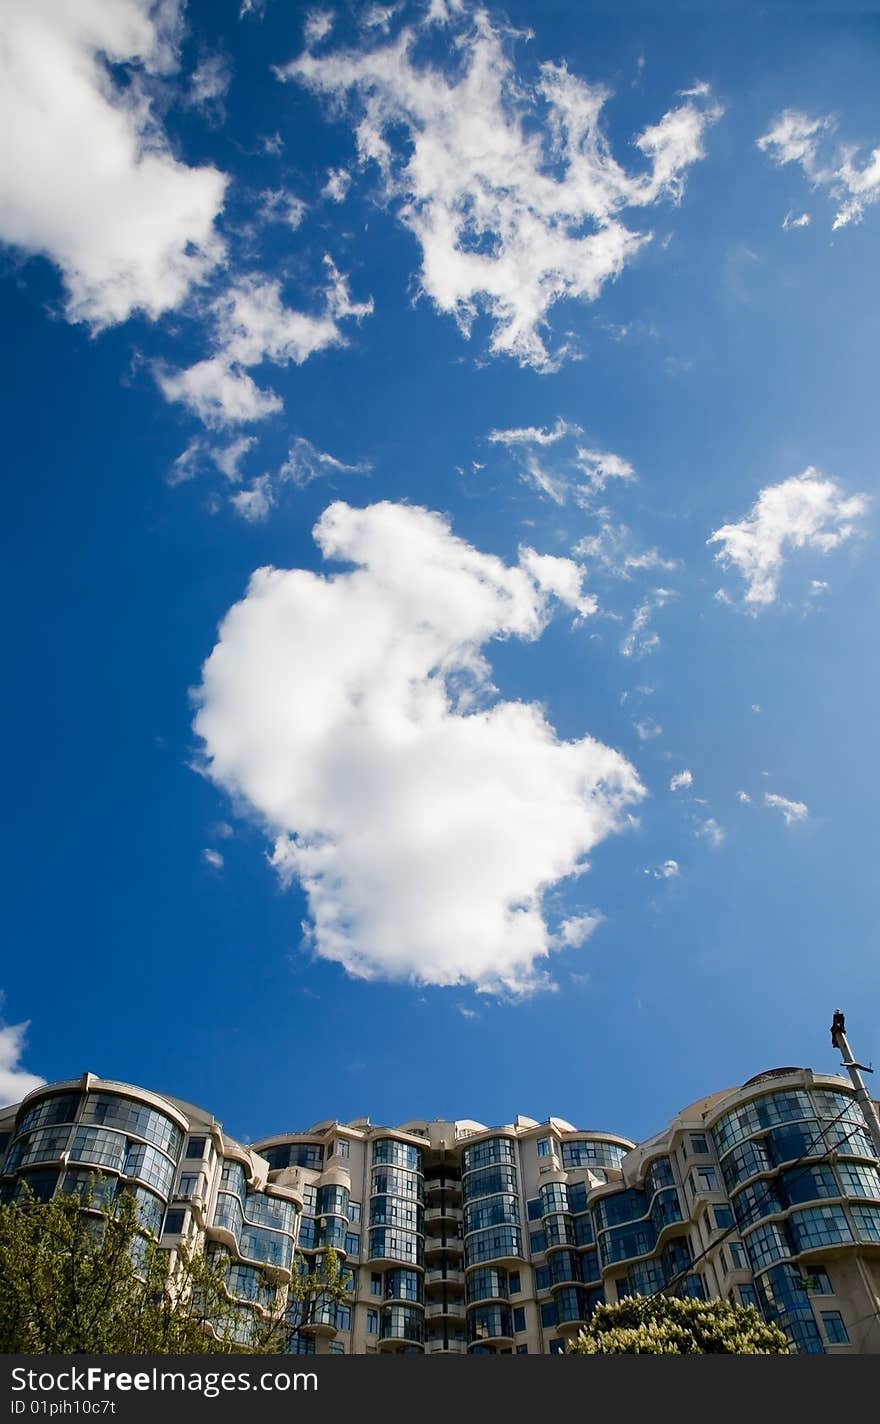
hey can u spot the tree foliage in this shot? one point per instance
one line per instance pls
(82, 1276)
(666, 1325)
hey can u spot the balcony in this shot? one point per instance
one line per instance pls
(440, 1310)
(443, 1246)
(452, 1347)
(435, 1212)
(450, 1186)
(436, 1278)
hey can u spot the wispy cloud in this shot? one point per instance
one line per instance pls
(797, 138)
(669, 870)
(510, 189)
(559, 463)
(252, 325)
(681, 781)
(807, 511)
(792, 811)
(304, 464)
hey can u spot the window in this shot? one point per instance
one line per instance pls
(533, 1208)
(189, 1185)
(748, 1296)
(343, 1317)
(818, 1282)
(723, 1217)
(513, 1284)
(544, 1146)
(835, 1330)
(548, 1313)
(537, 1243)
(375, 1284)
(737, 1256)
(195, 1146)
(557, 1347)
(519, 1319)
(373, 1322)
(522, 1349)
(705, 1179)
(336, 1347)
(354, 1212)
(352, 1244)
(542, 1278)
(343, 1148)
(698, 1142)
(174, 1223)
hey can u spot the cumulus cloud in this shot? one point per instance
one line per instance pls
(252, 326)
(797, 138)
(575, 470)
(15, 1081)
(510, 189)
(792, 811)
(744, 797)
(807, 511)
(681, 781)
(87, 178)
(304, 464)
(424, 817)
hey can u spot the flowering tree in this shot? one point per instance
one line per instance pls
(665, 1325)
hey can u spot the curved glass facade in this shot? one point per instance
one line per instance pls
(263, 1226)
(402, 1322)
(592, 1153)
(489, 1322)
(491, 1201)
(490, 1283)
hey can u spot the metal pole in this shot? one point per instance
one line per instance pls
(854, 1069)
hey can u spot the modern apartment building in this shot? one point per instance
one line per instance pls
(461, 1238)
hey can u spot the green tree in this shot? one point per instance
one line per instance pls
(666, 1325)
(81, 1275)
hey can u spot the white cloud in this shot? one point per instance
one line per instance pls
(639, 640)
(794, 220)
(807, 511)
(647, 729)
(575, 470)
(225, 458)
(15, 1081)
(467, 1013)
(797, 138)
(534, 434)
(425, 818)
(511, 190)
(792, 811)
(252, 325)
(280, 205)
(756, 707)
(615, 552)
(209, 86)
(669, 870)
(709, 830)
(744, 797)
(304, 464)
(87, 178)
(575, 931)
(318, 24)
(213, 858)
(681, 781)
(337, 185)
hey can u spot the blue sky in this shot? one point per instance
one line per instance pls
(440, 552)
